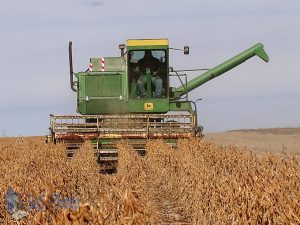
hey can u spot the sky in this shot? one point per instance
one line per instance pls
(34, 58)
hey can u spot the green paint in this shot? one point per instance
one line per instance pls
(109, 91)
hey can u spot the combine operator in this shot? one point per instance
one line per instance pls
(152, 63)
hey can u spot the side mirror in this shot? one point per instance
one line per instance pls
(186, 50)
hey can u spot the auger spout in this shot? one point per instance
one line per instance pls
(222, 68)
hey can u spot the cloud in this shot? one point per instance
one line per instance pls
(93, 2)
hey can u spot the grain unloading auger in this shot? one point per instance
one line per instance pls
(130, 97)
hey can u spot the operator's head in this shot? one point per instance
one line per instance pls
(148, 54)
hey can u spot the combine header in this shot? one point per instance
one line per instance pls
(130, 97)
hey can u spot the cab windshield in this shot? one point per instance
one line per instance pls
(147, 70)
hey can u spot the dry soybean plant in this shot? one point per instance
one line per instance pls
(196, 183)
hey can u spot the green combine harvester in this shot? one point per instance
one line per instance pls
(130, 97)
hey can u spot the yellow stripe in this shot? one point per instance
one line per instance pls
(146, 42)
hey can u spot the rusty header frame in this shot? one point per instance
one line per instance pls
(128, 126)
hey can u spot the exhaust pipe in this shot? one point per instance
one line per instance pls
(122, 47)
(72, 83)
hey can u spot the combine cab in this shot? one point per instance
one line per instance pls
(130, 97)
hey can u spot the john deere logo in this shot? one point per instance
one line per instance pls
(148, 106)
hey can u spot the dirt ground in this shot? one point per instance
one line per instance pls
(275, 140)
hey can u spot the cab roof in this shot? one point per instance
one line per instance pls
(147, 42)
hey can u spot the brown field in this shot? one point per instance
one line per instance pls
(275, 140)
(199, 183)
